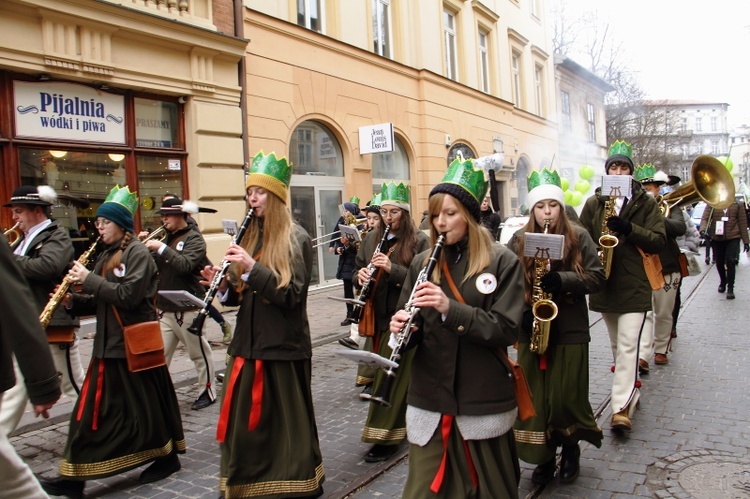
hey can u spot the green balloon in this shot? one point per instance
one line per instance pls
(586, 172)
(577, 197)
(583, 186)
(565, 184)
(568, 197)
(726, 162)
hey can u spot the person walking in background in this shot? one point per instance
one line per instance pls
(658, 328)
(344, 248)
(559, 377)
(489, 219)
(626, 298)
(23, 339)
(43, 252)
(122, 419)
(727, 228)
(267, 431)
(461, 402)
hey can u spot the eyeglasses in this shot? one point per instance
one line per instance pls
(101, 223)
(392, 213)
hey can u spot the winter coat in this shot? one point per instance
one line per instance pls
(345, 269)
(691, 240)
(180, 264)
(734, 228)
(674, 225)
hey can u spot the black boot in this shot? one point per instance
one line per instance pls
(570, 463)
(722, 287)
(730, 293)
(63, 487)
(544, 473)
(161, 468)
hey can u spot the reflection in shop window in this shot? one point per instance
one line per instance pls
(157, 176)
(314, 150)
(156, 124)
(387, 166)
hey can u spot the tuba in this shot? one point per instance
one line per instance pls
(543, 308)
(710, 182)
(607, 240)
(17, 235)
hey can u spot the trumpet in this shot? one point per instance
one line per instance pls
(17, 235)
(196, 327)
(46, 316)
(383, 393)
(543, 308)
(159, 234)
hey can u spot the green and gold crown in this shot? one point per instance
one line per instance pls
(463, 173)
(396, 194)
(271, 173)
(376, 200)
(543, 177)
(644, 171)
(354, 199)
(123, 197)
(620, 147)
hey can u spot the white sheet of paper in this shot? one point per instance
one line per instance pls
(351, 232)
(719, 228)
(616, 185)
(548, 246)
(369, 358)
(230, 227)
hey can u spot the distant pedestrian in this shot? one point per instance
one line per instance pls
(727, 228)
(489, 219)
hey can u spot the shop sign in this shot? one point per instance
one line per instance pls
(68, 111)
(376, 138)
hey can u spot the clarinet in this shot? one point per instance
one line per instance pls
(404, 335)
(364, 293)
(196, 327)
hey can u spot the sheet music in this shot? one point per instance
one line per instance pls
(230, 227)
(616, 185)
(350, 232)
(182, 299)
(548, 246)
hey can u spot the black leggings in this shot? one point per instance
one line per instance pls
(726, 254)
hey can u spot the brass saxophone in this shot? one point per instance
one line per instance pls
(46, 316)
(607, 240)
(542, 307)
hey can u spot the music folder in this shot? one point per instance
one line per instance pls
(370, 358)
(181, 299)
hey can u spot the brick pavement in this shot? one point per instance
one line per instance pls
(689, 420)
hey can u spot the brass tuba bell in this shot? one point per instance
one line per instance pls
(710, 182)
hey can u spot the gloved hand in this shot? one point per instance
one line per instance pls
(746, 248)
(551, 282)
(619, 225)
(704, 234)
(528, 322)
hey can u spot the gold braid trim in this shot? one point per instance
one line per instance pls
(363, 380)
(530, 437)
(275, 487)
(124, 463)
(384, 435)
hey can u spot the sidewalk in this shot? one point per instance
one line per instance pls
(690, 436)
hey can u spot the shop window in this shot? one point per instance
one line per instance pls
(157, 124)
(157, 176)
(314, 150)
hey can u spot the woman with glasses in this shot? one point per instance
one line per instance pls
(386, 426)
(122, 419)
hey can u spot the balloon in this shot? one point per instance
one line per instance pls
(568, 197)
(726, 162)
(583, 186)
(577, 197)
(565, 184)
(586, 172)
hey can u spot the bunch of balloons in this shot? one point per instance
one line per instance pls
(575, 197)
(726, 162)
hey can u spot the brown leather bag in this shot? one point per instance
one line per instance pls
(367, 323)
(520, 384)
(144, 346)
(652, 266)
(60, 335)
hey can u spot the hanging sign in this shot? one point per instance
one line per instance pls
(376, 138)
(68, 111)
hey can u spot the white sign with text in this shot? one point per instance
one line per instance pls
(376, 138)
(68, 111)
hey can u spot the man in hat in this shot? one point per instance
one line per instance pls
(626, 298)
(43, 253)
(658, 328)
(180, 259)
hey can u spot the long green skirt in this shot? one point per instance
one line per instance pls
(561, 400)
(366, 372)
(280, 456)
(387, 425)
(494, 460)
(121, 420)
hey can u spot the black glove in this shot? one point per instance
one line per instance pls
(619, 225)
(704, 234)
(527, 324)
(551, 282)
(746, 248)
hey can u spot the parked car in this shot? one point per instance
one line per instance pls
(509, 227)
(697, 213)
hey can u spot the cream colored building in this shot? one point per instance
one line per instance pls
(123, 91)
(447, 76)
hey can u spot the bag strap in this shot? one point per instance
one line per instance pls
(117, 316)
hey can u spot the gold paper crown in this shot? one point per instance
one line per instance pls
(271, 173)
(123, 197)
(463, 173)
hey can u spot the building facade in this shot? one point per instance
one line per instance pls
(443, 77)
(99, 93)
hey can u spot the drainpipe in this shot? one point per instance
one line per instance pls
(239, 32)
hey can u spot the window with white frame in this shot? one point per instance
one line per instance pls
(698, 124)
(539, 89)
(516, 68)
(484, 62)
(381, 27)
(684, 151)
(310, 14)
(714, 147)
(567, 120)
(714, 123)
(534, 7)
(449, 37)
(591, 116)
(683, 125)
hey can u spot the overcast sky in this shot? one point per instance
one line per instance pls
(683, 50)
